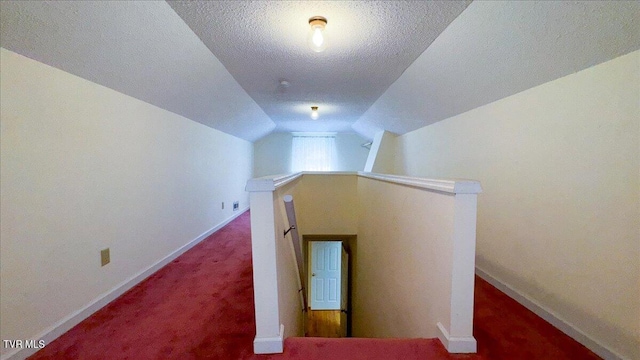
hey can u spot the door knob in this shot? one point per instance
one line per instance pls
(313, 274)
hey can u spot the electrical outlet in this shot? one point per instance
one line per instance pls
(223, 205)
(236, 205)
(105, 257)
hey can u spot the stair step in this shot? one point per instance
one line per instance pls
(312, 348)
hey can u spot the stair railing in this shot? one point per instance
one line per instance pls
(295, 239)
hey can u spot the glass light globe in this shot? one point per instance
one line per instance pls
(317, 39)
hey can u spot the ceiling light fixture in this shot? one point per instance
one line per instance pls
(314, 112)
(317, 39)
(284, 83)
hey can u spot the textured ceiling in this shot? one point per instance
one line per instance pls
(371, 44)
(139, 48)
(220, 62)
(496, 49)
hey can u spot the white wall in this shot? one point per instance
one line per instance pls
(351, 155)
(272, 153)
(559, 219)
(85, 168)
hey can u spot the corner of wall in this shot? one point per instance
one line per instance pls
(382, 154)
(373, 152)
(385, 162)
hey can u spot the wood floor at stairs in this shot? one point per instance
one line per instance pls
(323, 323)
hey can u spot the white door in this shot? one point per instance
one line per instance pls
(325, 275)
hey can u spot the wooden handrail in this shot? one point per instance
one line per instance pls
(295, 239)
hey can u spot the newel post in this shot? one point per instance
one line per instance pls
(269, 331)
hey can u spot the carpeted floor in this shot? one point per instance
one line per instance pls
(200, 306)
(504, 329)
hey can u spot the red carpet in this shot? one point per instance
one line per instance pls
(365, 349)
(200, 306)
(504, 329)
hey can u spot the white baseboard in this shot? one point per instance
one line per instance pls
(269, 345)
(64, 325)
(551, 318)
(457, 345)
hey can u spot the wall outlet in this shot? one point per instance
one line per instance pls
(223, 205)
(105, 257)
(236, 205)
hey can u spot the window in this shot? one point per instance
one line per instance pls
(313, 152)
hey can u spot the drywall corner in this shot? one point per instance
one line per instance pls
(381, 155)
(373, 152)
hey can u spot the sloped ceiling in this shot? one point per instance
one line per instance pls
(139, 48)
(394, 65)
(496, 49)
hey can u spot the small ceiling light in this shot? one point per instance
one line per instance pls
(317, 39)
(314, 112)
(285, 83)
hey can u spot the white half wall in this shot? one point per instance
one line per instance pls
(276, 285)
(415, 267)
(391, 287)
(559, 218)
(86, 168)
(289, 293)
(414, 276)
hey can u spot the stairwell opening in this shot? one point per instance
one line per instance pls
(334, 322)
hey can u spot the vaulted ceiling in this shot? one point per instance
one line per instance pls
(392, 65)
(371, 44)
